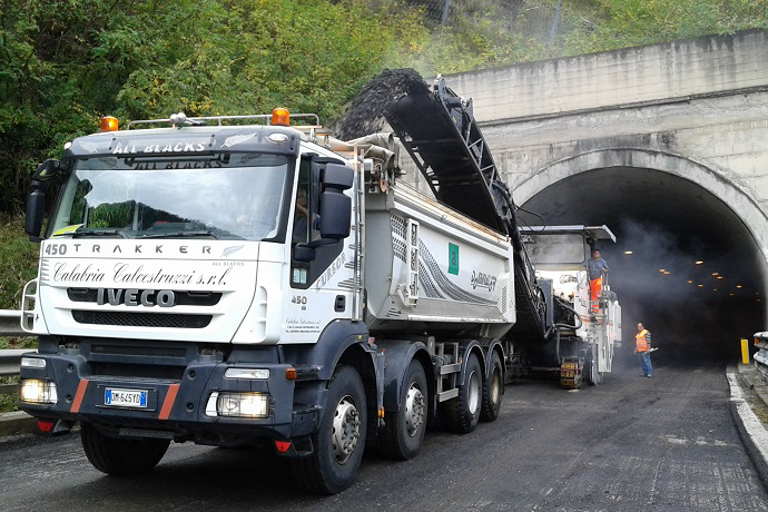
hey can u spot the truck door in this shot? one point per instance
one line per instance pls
(321, 273)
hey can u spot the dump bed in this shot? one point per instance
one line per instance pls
(427, 264)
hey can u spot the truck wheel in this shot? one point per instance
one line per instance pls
(404, 430)
(492, 390)
(121, 457)
(340, 440)
(463, 412)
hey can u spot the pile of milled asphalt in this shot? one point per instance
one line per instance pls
(365, 114)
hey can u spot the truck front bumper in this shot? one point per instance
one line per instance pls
(183, 392)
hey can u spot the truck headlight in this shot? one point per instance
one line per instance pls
(38, 391)
(238, 405)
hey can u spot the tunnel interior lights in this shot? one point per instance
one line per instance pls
(628, 252)
(719, 277)
(701, 286)
(699, 262)
(662, 270)
(738, 286)
(715, 274)
(690, 281)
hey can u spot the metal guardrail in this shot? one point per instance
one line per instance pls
(10, 360)
(10, 364)
(761, 357)
(10, 323)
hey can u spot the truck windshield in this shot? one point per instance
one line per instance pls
(227, 196)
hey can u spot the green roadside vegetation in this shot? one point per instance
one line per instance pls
(18, 264)
(66, 63)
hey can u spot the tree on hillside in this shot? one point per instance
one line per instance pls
(65, 63)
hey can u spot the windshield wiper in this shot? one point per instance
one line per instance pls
(180, 234)
(81, 232)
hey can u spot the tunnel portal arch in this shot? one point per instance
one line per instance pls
(671, 193)
(638, 158)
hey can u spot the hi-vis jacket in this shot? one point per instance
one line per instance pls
(643, 341)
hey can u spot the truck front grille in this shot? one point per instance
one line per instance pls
(134, 371)
(162, 320)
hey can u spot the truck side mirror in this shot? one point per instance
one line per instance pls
(46, 170)
(33, 221)
(335, 207)
(335, 212)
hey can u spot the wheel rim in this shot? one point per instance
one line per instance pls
(346, 429)
(474, 393)
(495, 386)
(414, 410)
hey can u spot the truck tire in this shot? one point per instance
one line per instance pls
(493, 387)
(463, 412)
(403, 432)
(121, 457)
(340, 440)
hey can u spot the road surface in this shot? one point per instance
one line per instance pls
(631, 444)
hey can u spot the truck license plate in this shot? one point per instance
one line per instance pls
(125, 397)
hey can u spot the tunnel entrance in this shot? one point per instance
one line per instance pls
(685, 263)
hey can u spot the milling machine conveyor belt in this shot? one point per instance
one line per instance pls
(439, 132)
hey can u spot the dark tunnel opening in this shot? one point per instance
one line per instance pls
(685, 264)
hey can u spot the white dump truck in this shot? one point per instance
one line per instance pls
(236, 281)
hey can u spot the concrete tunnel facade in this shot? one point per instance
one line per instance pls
(668, 146)
(671, 213)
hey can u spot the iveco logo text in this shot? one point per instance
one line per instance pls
(134, 297)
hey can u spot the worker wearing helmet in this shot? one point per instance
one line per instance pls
(596, 268)
(643, 349)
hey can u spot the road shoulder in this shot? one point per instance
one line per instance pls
(747, 386)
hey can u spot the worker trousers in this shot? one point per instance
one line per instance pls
(595, 290)
(645, 362)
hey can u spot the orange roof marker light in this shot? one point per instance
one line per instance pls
(108, 124)
(281, 117)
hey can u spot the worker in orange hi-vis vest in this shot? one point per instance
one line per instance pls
(596, 268)
(643, 349)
